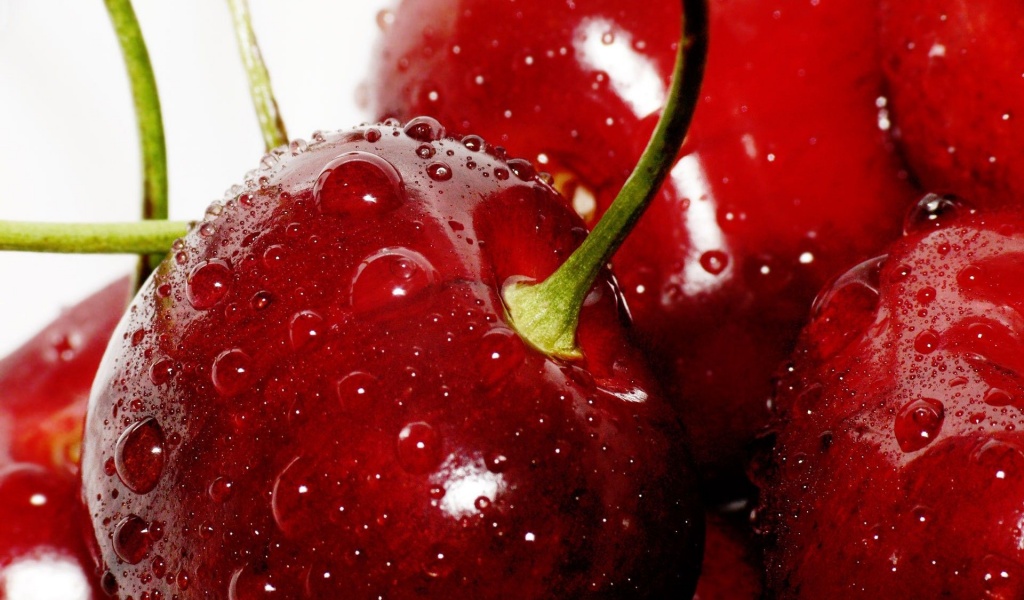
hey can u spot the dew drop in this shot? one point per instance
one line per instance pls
(292, 498)
(230, 372)
(305, 328)
(131, 539)
(918, 423)
(425, 151)
(358, 184)
(390, 276)
(522, 169)
(207, 283)
(473, 143)
(358, 391)
(162, 371)
(934, 211)
(220, 489)
(998, 397)
(439, 562)
(497, 463)
(714, 261)
(1003, 578)
(139, 455)
(439, 171)
(500, 174)
(373, 135)
(926, 341)
(273, 256)
(424, 129)
(500, 352)
(261, 300)
(418, 448)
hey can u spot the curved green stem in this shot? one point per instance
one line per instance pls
(144, 237)
(271, 123)
(150, 122)
(547, 314)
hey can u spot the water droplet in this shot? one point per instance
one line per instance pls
(501, 350)
(220, 489)
(261, 300)
(207, 283)
(926, 341)
(926, 294)
(500, 174)
(358, 391)
(439, 562)
(139, 455)
(439, 171)
(390, 276)
(998, 397)
(131, 539)
(419, 448)
(248, 583)
(424, 129)
(162, 370)
(298, 146)
(293, 496)
(230, 372)
(918, 423)
(304, 329)
(473, 143)
(425, 151)
(714, 261)
(521, 168)
(1003, 578)
(358, 184)
(497, 463)
(373, 135)
(934, 211)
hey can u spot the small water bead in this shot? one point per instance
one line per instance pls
(273, 256)
(305, 328)
(390, 276)
(139, 456)
(439, 562)
(522, 169)
(373, 135)
(293, 497)
(220, 489)
(358, 391)
(249, 583)
(424, 129)
(918, 423)
(131, 539)
(926, 341)
(418, 448)
(439, 171)
(714, 261)
(208, 283)
(998, 397)
(108, 583)
(162, 371)
(934, 211)
(207, 230)
(425, 151)
(497, 463)
(261, 300)
(230, 372)
(500, 174)
(358, 184)
(1003, 578)
(500, 352)
(298, 146)
(473, 143)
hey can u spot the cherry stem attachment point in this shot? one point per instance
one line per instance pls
(143, 237)
(547, 314)
(150, 123)
(271, 123)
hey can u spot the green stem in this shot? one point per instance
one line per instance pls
(143, 237)
(271, 123)
(547, 314)
(150, 122)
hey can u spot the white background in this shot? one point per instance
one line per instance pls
(68, 141)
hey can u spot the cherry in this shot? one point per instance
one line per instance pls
(45, 386)
(956, 94)
(898, 455)
(321, 396)
(785, 177)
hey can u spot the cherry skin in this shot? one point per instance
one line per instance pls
(45, 387)
(955, 74)
(898, 461)
(785, 177)
(320, 396)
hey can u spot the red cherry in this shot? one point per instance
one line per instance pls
(898, 466)
(785, 177)
(955, 74)
(376, 428)
(45, 387)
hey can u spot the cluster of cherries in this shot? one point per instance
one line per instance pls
(804, 380)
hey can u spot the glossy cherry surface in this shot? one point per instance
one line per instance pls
(319, 396)
(898, 464)
(786, 176)
(44, 387)
(955, 74)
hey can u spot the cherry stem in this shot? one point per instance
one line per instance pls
(152, 237)
(271, 123)
(150, 123)
(547, 314)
